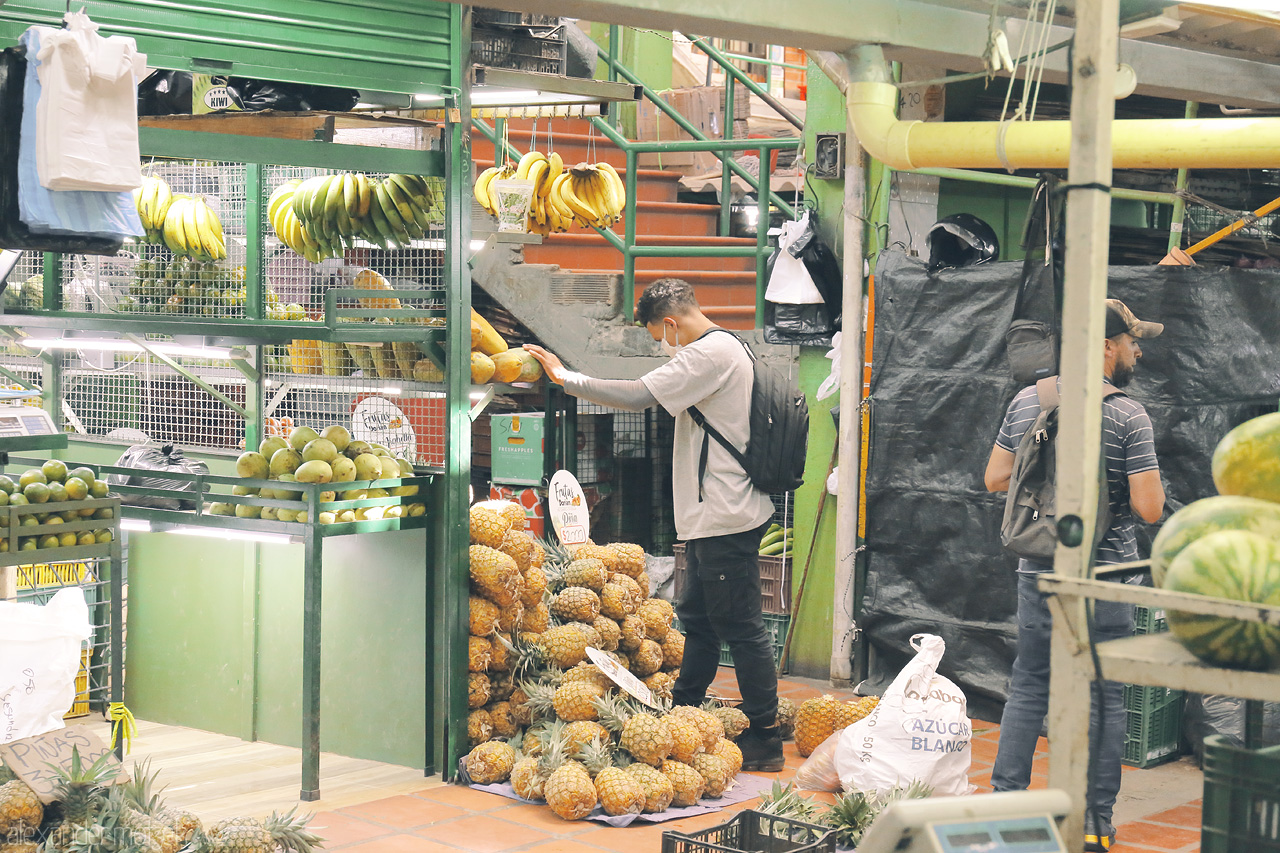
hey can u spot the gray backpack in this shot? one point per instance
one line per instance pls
(1030, 528)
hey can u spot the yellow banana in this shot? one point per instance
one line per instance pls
(203, 241)
(392, 215)
(619, 189)
(526, 163)
(144, 198)
(404, 206)
(303, 195)
(173, 233)
(215, 225)
(164, 197)
(350, 196)
(190, 231)
(595, 198)
(481, 187)
(411, 189)
(365, 192)
(603, 185)
(280, 199)
(556, 197)
(333, 199)
(577, 194)
(537, 175)
(555, 166)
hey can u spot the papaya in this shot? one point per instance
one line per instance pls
(484, 337)
(482, 367)
(516, 365)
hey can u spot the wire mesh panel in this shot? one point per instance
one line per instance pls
(391, 392)
(38, 583)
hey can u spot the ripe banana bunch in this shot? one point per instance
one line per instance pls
(487, 177)
(288, 226)
(587, 195)
(399, 211)
(193, 230)
(319, 217)
(152, 200)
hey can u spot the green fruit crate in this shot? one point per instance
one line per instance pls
(1153, 715)
(775, 623)
(1241, 809)
(751, 831)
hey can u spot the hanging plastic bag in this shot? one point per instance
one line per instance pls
(39, 661)
(920, 730)
(831, 384)
(818, 773)
(790, 282)
(150, 457)
(87, 115)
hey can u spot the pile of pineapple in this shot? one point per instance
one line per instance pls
(93, 816)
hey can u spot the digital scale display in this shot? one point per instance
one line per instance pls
(1012, 835)
(37, 423)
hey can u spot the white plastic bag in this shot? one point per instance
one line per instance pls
(919, 731)
(831, 384)
(39, 661)
(790, 282)
(818, 773)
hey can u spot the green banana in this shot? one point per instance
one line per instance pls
(772, 537)
(392, 215)
(773, 550)
(380, 223)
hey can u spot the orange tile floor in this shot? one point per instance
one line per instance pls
(450, 818)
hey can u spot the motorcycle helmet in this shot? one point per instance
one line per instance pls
(961, 240)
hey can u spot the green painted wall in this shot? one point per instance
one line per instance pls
(215, 640)
(647, 54)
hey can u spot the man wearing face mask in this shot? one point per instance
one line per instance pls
(721, 516)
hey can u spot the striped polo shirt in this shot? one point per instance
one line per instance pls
(1129, 444)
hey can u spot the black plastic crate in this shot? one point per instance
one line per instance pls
(544, 54)
(481, 17)
(751, 831)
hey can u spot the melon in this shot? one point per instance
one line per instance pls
(390, 468)
(320, 448)
(355, 448)
(1210, 515)
(1247, 460)
(1238, 565)
(368, 467)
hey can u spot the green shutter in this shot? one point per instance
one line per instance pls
(384, 45)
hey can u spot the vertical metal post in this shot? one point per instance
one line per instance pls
(499, 140)
(762, 234)
(1093, 69)
(726, 185)
(254, 400)
(255, 263)
(570, 433)
(449, 692)
(1179, 186)
(312, 592)
(51, 367)
(115, 692)
(629, 242)
(52, 281)
(615, 43)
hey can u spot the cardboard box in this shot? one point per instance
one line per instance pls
(533, 500)
(702, 106)
(518, 444)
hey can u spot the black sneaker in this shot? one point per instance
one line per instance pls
(762, 750)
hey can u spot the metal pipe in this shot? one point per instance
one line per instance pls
(1180, 186)
(629, 241)
(830, 64)
(726, 178)
(752, 86)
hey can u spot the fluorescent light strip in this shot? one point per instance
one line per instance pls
(234, 535)
(481, 97)
(116, 345)
(137, 525)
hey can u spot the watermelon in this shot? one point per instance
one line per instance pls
(1247, 460)
(1210, 515)
(1233, 564)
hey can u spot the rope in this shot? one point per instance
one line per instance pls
(122, 725)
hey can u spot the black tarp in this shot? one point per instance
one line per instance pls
(939, 388)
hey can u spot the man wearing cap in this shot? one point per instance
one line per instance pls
(1133, 488)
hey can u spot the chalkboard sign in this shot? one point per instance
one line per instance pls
(34, 759)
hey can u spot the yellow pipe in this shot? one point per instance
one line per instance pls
(1219, 143)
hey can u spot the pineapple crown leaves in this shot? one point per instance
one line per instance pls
(596, 755)
(141, 790)
(786, 801)
(6, 775)
(289, 831)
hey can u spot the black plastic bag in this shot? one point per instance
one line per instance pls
(807, 325)
(165, 93)
(823, 268)
(162, 458)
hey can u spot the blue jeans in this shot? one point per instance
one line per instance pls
(1028, 703)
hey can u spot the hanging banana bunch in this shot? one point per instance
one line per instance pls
(192, 230)
(152, 200)
(586, 195)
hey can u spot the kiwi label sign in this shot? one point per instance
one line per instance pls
(377, 420)
(569, 513)
(37, 760)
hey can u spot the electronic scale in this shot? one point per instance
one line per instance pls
(24, 428)
(1011, 822)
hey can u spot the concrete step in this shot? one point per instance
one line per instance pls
(589, 249)
(651, 184)
(573, 147)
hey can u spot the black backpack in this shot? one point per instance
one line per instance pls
(779, 431)
(1030, 528)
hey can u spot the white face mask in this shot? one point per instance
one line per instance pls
(669, 350)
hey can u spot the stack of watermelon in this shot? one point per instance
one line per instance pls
(1229, 547)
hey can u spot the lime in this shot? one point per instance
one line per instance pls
(99, 489)
(34, 475)
(18, 499)
(57, 492)
(30, 521)
(6, 485)
(27, 543)
(67, 540)
(76, 489)
(48, 541)
(82, 473)
(36, 492)
(105, 512)
(55, 470)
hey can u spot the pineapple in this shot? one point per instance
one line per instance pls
(732, 755)
(610, 633)
(568, 790)
(535, 584)
(479, 651)
(19, 847)
(573, 701)
(585, 573)
(539, 555)
(630, 558)
(81, 789)
(646, 587)
(820, 718)
(714, 772)
(687, 782)
(483, 616)
(246, 835)
(513, 513)
(647, 659)
(500, 653)
(183, 823)
(487, 526)
(576, 604)
(596, 552)
(708, 725)
(525, 779)
(657, 615)
(592, 635)
(581, 732)
(494, 575)
(786, 718)
(660, 684)
(686, 739)
(632, 588)
(617, 790)
(503, 719)
(518, 545)
(849, 816)
(501, 686)
(491, 762)
(541, 701)
(658, 791)
(587, 672)
(20, 810)
(648, 739)
(564, 645)
(519, 706)
(139, 809)
(785, 801)
(616, 602)
(733, 720)
(672, 651)
(510, 618)
(477, 690)
(479, 726)
(6, 774)
(536, 619)
(632, 633)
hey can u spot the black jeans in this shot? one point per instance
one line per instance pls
(721, 602)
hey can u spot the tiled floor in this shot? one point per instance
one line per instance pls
(448, 819)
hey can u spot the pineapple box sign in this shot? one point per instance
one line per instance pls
(567, 506)
(41, 759)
